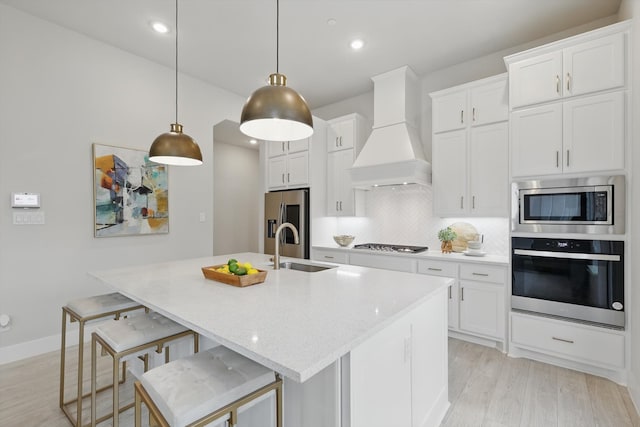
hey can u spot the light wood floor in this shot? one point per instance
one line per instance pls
(486, 388)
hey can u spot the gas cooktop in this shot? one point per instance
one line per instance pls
(383, 247)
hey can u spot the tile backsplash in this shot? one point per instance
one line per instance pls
(404, 215)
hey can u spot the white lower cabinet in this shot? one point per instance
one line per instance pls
(321, 254)
(477, 298)
(399, 376)
(573, 341)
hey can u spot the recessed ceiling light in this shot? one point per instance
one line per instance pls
(160, 27)
(356, 44)
(253, 142)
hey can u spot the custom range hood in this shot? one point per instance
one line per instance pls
(393, 154)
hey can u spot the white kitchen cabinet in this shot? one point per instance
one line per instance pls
(470, 168)
(585, 134)
(383, 261)
(574, 67)
(322, 254)
(287, 164)
(601, 347)
(445, 269)
(345, 138)
(477, 298)
(472, 104)
(470, 171)
(414, 392)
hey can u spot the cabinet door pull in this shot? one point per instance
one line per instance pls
(340, 205)
(567, 157)
(461, 294)
(328, 257)
(283, 178)
(283, 146)
(557, 159)
(558, 84)
(449, 292)
(480, 274)
(461, 202)
(434, 269)
(288, 177)
(340, 141)
(568, 82)
(462, 116)
(473, 202)
(473, 114)
(336, 141)
(337, 209)
(288, 146)
(563, 340)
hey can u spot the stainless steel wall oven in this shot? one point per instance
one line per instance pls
(575, 279)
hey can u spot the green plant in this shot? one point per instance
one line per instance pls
(447, 234)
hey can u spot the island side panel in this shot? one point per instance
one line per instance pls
(399, 376)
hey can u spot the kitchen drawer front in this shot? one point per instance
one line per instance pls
(385, 262)
(331, 256)
(438, 268)
(482, 273)
(568, 340)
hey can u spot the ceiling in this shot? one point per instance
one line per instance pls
(232, 43)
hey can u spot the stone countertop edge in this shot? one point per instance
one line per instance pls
(147, 288)
(433, 255)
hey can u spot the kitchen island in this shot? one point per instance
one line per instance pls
(370, 344)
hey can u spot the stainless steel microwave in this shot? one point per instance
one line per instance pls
(594, 205)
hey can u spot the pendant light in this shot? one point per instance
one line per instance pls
(175, 147)
(276, 112)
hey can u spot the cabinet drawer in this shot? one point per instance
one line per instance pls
(482, 273)
(438, 268)
(381, 261)
(573, 341)
(331, 256)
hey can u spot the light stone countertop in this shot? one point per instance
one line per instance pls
(429, 254)
(296, 323)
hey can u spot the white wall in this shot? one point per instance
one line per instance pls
(59, 93)
(236, 190)
(630, 9)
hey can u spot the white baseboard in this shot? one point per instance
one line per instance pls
(634, 389)
(16, 352)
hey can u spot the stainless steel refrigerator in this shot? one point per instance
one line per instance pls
(287, 206)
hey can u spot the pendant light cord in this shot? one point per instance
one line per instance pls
(278, 36)
(176, 61)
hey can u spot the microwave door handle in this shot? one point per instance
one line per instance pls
(567, 255)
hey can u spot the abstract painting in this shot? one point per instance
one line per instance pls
(131, 193)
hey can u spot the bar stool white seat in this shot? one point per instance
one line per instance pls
(196, 390)
(129, 338)
(84, 310)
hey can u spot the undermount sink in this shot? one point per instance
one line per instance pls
(309, 268)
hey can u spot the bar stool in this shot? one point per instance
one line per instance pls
(82, 311)
(197, 390)
(127, 338)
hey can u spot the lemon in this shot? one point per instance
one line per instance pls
(248, 265)
(252, 271)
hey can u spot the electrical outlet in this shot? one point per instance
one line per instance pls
(202, 217)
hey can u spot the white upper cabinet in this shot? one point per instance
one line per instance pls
(578, 124)
(345, 137)
(287, 164)
(466, 105)
(470, 171)
(587, 67)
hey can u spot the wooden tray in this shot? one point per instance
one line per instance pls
(231, 279)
